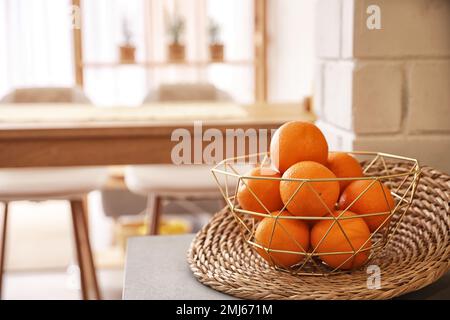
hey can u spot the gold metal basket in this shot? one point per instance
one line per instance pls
(400, 174)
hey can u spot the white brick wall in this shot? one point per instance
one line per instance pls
(347, 25)
(357, 96)
(337, 93)
(338, 139)
(409, 28)
(429, 96)
(328, 28)
(430, 149)
(318, 89)
(377, 97)
(389, 89)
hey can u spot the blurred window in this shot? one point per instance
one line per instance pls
(35, 44)
(104, 22)
(36, 47)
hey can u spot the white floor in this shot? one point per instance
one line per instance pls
(58, 285)
(40, 247)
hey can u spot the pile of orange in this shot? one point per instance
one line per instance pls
(299, 150)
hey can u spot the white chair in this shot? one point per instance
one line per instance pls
(171, 182)
(180, 92)
(46, 95)
(68, 183)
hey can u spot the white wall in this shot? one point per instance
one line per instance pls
(389, 89)
(290, 49)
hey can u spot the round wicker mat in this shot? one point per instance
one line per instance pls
(418, 255)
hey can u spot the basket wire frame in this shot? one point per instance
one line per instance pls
(402, 184)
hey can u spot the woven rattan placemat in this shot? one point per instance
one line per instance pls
(418, 255)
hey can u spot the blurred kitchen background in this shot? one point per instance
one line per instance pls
(126, 53)
(372, 86)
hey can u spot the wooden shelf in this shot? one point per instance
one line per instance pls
(164, 64)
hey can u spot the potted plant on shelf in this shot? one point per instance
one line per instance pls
(127, 49)
(175, 30)
(216, 47)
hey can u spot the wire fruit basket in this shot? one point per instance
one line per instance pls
(402, 181)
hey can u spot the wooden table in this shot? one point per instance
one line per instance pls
(77, 135)
(156, 268)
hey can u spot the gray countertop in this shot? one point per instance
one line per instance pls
(156, 268)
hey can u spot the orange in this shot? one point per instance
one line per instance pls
(344, 165)
(376, 199)
(286, 234)
(306, 202)
(297, 141)
(335, 241)
(267, 191)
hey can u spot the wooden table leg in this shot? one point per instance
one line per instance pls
(84, 200)
(3, 245)
(89, 285)
(154, 210)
